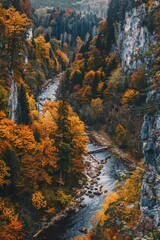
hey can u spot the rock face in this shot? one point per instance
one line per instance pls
(132, 38)
(13, 100)
(150, 195)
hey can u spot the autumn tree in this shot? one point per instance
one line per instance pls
(42, 48)
(120, 211)
(63, 59)
(96, 108)
(26, 6)
(15, 25)
(138, 81)
(3, 99)
(66, 129)
(129, 96)
(121, 135)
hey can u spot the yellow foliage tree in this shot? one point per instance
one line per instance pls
(14, 31)
(88, 79)
(121, 135)
(97, 108)
(120, 210)
(42, 48)
(10, 226)
(4, 173)
(129, 96)
(38, 200)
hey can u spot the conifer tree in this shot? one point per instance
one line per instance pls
(63, 138)
(95, 86)
(23, 112)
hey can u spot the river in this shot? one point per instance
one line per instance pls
(107, 180)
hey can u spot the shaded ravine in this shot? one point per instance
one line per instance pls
(68, 228)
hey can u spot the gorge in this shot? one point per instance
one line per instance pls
(77, 75)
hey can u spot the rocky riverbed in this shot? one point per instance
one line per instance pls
(102, 171)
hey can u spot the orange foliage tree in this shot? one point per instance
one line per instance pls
(120, 211)
(129, 96)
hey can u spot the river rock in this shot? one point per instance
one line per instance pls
(82, 205)
(91, 195)
(95, 182)
(98, 193)
(89, 191)
(83, 230)
(103, 161)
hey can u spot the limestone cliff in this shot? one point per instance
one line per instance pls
(132, 38)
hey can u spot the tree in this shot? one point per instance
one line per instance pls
(129, 96)
(38, 200)
(27, 7)
(3, 99)
(4, 173)
(121, 135)
(42, 49)
(23, 112)
(14, 31)
(138, 81)
(63, 59)
(120, 211)
(63, 137)
(96, 108)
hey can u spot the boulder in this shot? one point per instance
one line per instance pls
(82, 205)
(91, 195)
(98, 193)
(83, 230)
(103, 161)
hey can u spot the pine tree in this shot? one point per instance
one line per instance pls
(63, 138)
(23, 112)
(95, 86)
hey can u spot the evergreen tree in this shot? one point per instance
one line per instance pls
(23, 112)
(95, 86)
(63, 138)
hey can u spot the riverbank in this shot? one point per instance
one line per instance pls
(92, 172)
(104, 140)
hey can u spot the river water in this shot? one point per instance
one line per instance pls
(107, 180)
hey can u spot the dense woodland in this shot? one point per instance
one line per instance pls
(66, 25)
(41, 154)
(63, 4)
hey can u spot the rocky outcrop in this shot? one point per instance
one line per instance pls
(13, 99)
(131, 39)
(150, 195)
(132, 36)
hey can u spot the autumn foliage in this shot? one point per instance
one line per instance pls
(120, 211)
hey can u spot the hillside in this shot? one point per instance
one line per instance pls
(79, 120)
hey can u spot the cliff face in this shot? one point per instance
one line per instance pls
(132, 39)
(150, 195)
